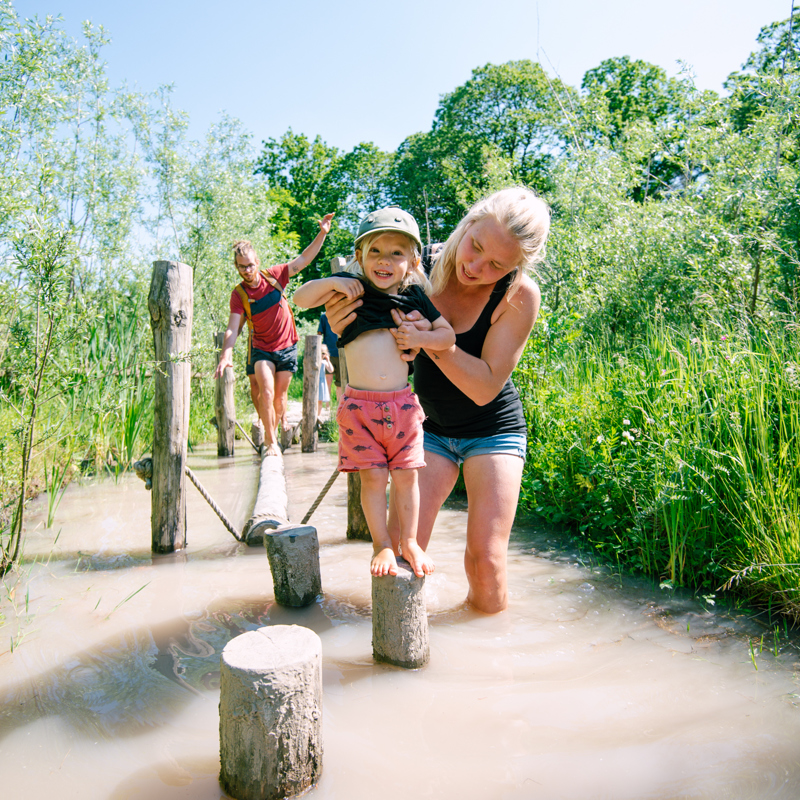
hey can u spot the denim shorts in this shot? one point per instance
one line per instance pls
(457, 450)
(284, 360)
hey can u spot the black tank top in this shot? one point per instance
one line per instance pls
(449, 411)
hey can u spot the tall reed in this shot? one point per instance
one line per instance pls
(677, 457)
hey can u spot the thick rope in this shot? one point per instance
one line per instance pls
(193, 478)
(247, 437)
(322, 494)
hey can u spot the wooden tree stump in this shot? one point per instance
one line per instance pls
(293, 552)
(224, 405)
(270, 713)
(170, 304)
(312, 363)
(400, 619)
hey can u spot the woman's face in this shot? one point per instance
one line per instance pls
(486, 253)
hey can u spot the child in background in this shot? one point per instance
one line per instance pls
(325, 379)
(379, 416)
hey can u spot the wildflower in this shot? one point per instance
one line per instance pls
(628, 435)
(600, 439)
(626, 422)
(650, 421)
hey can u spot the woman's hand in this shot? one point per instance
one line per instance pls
(341, 310)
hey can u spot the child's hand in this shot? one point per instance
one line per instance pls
(413, 317)
(325, 224)
(407, 336)
(349, 288)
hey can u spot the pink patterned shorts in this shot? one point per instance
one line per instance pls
(380, 429)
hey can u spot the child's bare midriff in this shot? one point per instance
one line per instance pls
(374, 363)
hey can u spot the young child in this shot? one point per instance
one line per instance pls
(380, 419)
(325, 380)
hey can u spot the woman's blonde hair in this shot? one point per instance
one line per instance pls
(414, 275)
(521, 212)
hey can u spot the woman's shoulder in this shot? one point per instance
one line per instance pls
(523, 301)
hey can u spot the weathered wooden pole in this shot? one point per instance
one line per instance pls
(400, 619)
(312, 363)
(170, 305)
(357, 527)
(270, 713)
(224, 405)
(257, 432)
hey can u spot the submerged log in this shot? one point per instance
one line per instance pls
(170, 305)
(270, 713)
(270, 510)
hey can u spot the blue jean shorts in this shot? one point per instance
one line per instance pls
(284, 360)
(457, 450)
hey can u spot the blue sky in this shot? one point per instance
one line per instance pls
(355, 71)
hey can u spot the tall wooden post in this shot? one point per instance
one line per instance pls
(224, 406)
(312, 363)
(170, 305)
(357, 527)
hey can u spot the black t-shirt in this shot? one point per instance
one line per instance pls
(376, 311)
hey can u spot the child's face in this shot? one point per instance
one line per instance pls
(387, 261)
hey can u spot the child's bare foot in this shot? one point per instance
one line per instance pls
(383, 562)
(272, 449)
(420, 561)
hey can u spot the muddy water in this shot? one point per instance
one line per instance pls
(588, 687)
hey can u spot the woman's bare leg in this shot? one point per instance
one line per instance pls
(493, 483)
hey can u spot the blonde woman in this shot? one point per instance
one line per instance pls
(473, 412)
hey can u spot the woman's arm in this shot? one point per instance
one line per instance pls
(481, 379)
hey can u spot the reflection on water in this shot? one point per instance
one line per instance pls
(588, 687)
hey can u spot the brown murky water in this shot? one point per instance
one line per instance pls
(588, 687)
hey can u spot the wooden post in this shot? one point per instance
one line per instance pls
(257, 432)
(224, 406)
(293, 552)
(312, 362)
(170, 305)
(400, 619)
(357, 527)
(270, 713)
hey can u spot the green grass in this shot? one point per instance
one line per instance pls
(677, 457)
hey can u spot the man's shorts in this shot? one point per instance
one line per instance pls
(380, 430)
(457, 450)
(337, 371)
(284, 360)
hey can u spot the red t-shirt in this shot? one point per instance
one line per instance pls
(273, 328)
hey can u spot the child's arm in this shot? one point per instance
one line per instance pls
(441, 336)
(316, 293)
(310, 253)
